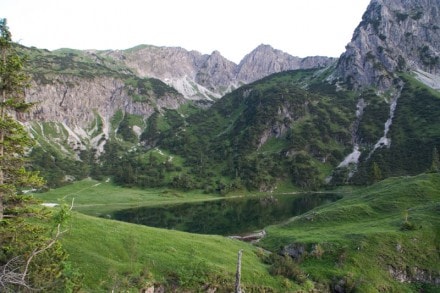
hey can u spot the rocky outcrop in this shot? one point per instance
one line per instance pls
(75, 104)
(199, 76)
(172, 65)
(414, 275)
(394, 35)
(265, 60)
(217, 74)
(77, 101)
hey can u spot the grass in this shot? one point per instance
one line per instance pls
(99, 198)
(110, 253)
(363, 237)
(366, 240)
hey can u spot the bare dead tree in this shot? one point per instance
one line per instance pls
(13, 273)
(238, 273)
(16, 270)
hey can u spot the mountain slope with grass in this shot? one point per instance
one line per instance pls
(369, 116)
(119, 256)
(379, 238)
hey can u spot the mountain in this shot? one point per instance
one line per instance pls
(394, 36)
(369, 115)
(199, 76)
(264, 60)
(83, 91)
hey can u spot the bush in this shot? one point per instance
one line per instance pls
(408, 226)
(286, 267)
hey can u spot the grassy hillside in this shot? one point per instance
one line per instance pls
(115, 256)
(371, 238)
(414, 133)
(99, 198)
(383, 238)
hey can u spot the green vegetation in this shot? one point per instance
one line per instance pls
(414, 134)
(284, 133)
(260, 135)
(31, 258)
(364, 242)
(42, 64)
(147, 89)
(100, 198)
(370, 238)
(122, 256)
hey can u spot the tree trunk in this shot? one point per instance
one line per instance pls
(2, 139)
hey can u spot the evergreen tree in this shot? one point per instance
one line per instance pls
(30, 256)
(376, 173)
(435, 165)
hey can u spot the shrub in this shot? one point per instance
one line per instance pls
(286, 267)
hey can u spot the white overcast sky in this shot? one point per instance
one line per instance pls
(233, 27)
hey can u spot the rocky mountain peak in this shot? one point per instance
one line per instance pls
(265, 60)
(216, 73)
(393, 36)
(203, 76)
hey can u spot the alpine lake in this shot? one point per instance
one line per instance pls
(229, 216)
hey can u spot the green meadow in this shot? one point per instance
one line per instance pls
(381, 238)
(99, 198)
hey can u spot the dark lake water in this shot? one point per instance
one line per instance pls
(225, 216)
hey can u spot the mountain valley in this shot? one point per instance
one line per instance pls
(176, 135)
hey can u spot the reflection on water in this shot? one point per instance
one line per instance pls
(225, 216)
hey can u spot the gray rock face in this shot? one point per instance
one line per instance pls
(394, 35)
(265, 60)
(75, 104)
(76, 101)
(199, 76)
(217, 74)
(82, 90)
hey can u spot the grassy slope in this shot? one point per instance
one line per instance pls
(109, 253)
(101, 198)
(362, 235)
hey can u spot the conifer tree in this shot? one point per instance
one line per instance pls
(31, 258)
(435, 165)
(14, 140)
(376, 173)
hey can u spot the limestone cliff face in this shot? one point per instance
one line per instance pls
(199, 76)
(394, 35)
(75, 89)
(217, 74)
(193, 74)
(77, 102)
(265, 60)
